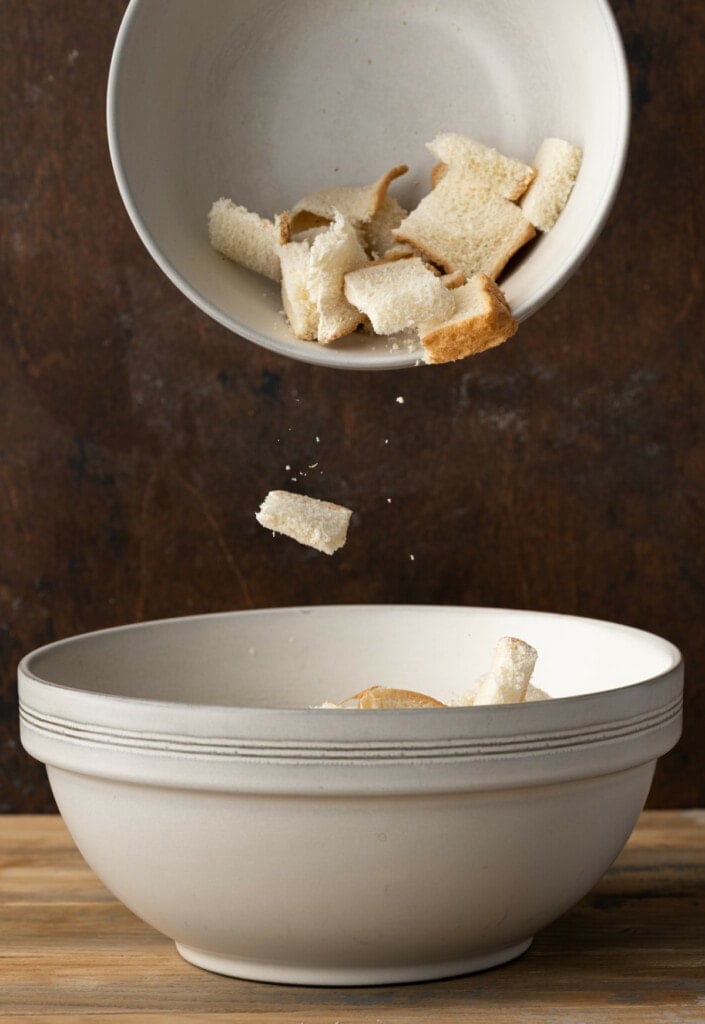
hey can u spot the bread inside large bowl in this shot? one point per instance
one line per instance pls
(281, 842)
(266, 102)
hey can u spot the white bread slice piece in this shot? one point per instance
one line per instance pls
(334, 253)
(377, 232)
(509, 177)
(481, 320)
(557, 164)
(318, 524)
(356, 203)
(398, 294)
(301, 311)
(508, 679)
(461, 226)
(246, 238)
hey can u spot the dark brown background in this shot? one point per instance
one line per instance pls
(564, 471)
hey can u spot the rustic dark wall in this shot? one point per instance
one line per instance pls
(563, 471)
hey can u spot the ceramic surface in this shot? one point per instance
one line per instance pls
(283, 843)
(265, 101)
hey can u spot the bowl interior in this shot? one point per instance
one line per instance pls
(264, 101)
(301, 657)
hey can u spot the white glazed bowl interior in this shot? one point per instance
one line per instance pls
(283, 843)
(265, 101)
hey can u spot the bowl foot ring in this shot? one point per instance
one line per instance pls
(304, 974)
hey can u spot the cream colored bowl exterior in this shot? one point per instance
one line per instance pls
(265, 102)
(337, 847)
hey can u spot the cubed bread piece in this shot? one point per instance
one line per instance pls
(301, 311)
(461, 226)
(398, 294)
(319, 524)
(358, 204)
(489, 168)
(557, 164)
(508, 679)
(377, 232)
(246, 238)
(482, 319)
(334, 253)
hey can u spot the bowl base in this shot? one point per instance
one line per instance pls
(301, 974)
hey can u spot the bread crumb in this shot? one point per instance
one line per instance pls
(400, 400)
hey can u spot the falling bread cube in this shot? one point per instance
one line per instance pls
(318, 524)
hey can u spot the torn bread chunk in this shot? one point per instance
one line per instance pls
(388, 697)
(357, 204)
(334, 253)
(557, 164)
(481, 320)
(461, 226)
(318, 524)
(246, 238)
(508, 679)
(535, 693)
(398, 294)
(489, 168)
(377, 232)
(300, 309)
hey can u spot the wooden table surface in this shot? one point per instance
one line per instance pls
(631, 951)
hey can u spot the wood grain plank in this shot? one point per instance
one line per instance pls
(665, 1014)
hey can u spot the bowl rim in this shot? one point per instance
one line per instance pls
(339, 358)
(26, 672)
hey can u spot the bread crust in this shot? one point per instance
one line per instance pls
(389, 697)
(490, 326)
(438, 172)
(357, 203)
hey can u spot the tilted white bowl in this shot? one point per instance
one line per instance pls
(283, 843)
(266, 102)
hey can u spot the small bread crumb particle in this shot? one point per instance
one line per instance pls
(400, 399)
